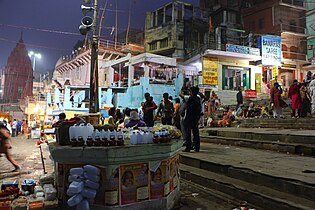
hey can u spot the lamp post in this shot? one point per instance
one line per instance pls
(34, 55)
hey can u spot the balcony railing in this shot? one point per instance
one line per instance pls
(298, 3)
(294, 55)
(291, 28)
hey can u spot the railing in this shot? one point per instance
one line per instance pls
(298, 3)
(294, 55)
(291, 28)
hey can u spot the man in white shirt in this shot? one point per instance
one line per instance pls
(14, 126)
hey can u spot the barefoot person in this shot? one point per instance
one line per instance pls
(5, 146)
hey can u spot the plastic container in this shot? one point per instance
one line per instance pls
(76, 187)
(112, 135)
(50, 192)
(91, 170)
(134, 137)
(75, 200)
(92, 185)
(76, 178)
(88, 193)
(76, 171)
(69, 193)
(91, 177)
(83, 205)
(150, 137)
(140, 137)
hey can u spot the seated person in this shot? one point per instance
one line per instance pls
(227, 118)
(134, 120)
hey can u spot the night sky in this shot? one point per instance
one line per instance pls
(50, 27)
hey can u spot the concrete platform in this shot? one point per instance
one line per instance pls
(306, 123)
(265, 179)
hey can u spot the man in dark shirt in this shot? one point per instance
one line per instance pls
(148, 108)
(239, 98)
(193, 112)
(166, 110)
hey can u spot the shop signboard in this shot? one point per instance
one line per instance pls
(250, 93)
(134, 183)
(242, 49)
(275, 72)
(210, 71)
(271, 52)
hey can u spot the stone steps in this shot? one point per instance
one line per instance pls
(263, 178)
(288, 123)
(291, 148)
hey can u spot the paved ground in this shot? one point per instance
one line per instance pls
(27, 154)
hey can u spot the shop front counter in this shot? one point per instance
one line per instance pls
(144, 176)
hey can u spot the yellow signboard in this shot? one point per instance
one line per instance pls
(274, 72)
(210, 71)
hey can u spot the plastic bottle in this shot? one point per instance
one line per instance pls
(76, 187)
(150, 137)
(103, 133)
(75, 200)
(88, 193)
(96, 133)
(76, 171)
(72, 133)
(91, 170)
(76, 178)
(83, 205)
(112, 135)
(139, 137)
(145, 137)
(133, 137)
(120, 135)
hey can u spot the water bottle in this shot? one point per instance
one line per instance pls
(120, 135)
(103, 133)
(96, 133)
(92, 185)
(112, 135)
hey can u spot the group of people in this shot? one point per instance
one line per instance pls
(302, 95)
(184, 114)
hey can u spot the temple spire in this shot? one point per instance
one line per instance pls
(21, 38)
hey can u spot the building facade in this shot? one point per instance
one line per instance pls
(284, 18)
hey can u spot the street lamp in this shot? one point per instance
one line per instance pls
(34, 55)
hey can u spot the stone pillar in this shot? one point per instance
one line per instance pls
(110, 77)
(131, 72)
(109, 96)
(146, 70)
(101, 77)
(66, 100)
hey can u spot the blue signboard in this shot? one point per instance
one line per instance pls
(242, 49)
(271, 52)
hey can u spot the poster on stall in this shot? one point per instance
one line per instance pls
(112, 186)
(134, 183)
(210, 71)
(174, 172)
(159, 180)
(274, 72)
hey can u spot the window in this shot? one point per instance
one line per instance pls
(164, 43)
(261, 23)
(152, 46)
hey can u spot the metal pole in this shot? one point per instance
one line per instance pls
(94, 65)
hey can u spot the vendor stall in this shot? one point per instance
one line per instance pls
(132, 176)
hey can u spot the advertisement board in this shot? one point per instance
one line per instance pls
(159, 181)
(210, 71)
(271, 51)
(134, 183)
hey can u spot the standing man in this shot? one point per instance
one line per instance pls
(5, 146)
(193, 111)
(14, 128)
(239, 98)
(148, 108)
(166, 110)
